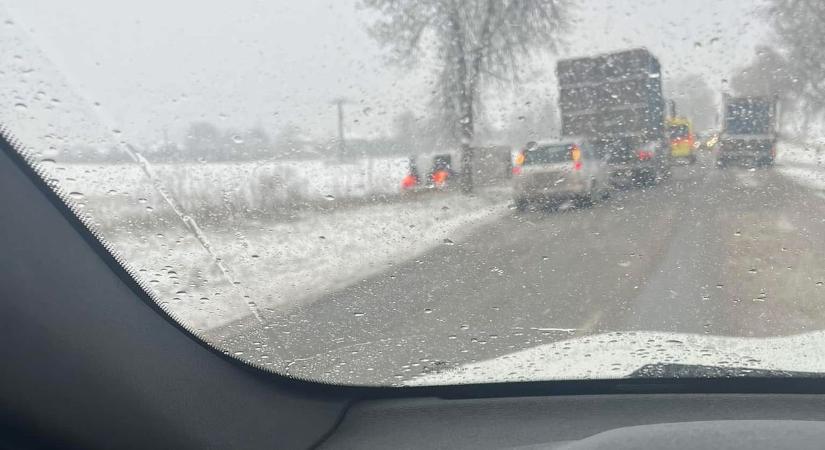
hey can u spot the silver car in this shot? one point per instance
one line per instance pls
(560, 170)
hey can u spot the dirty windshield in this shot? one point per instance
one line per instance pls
(352, 192)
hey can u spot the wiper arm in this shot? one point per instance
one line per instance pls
(700, 371)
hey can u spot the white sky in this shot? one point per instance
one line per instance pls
(158, 64)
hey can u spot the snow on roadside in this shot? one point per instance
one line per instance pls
(277, 265)
(803, 164)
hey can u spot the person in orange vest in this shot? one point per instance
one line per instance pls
(410, 181)
(440, 174)
(440, 178)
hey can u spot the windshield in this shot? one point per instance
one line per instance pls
(338, 191)
(679, 131)
(546, 154)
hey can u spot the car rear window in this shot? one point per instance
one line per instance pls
(679, 131)
(547, 154)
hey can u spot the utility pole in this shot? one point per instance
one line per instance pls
(339, 102)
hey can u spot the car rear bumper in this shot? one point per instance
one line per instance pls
(744, 155)
(631, 173)
(569, 188)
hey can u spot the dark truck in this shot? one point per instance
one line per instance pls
(748, 132)
(615, 101)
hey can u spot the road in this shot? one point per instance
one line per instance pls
(724, 252)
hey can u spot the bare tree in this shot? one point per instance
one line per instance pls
(473, 41)
(798, 27)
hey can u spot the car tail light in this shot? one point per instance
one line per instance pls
(576, 156)
(518, 161)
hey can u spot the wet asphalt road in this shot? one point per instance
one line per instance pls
(724, 252)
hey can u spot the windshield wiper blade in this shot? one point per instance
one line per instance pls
(700, 371)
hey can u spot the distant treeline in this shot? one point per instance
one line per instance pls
(205, 142)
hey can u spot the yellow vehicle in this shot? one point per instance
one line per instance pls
(680, 133)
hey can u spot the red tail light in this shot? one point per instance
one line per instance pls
(518, 162)
(645, 155)
(576, 156)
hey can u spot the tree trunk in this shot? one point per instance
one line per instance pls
(465, 105)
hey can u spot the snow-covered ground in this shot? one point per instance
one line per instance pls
(257, 266)
(118, 192)
(804, 164)
(236, 244)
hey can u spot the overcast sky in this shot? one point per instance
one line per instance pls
(161, 64)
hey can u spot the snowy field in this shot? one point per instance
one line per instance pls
(263, 266)
(239, 246)
(804, 164)
(114, 193)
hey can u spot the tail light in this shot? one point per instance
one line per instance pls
(647, 152)
(518, 161)
(576, 156)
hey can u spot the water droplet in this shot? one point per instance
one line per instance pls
(329, 197)
(737, 233)
(819, 283)
(237, 139)
(720, 286)
(427, 311)
(465, 327)
(142, 200)
(21, 106)
(358, 314)
(545, 258)
(76, 195)
(238, 353)
(752, 271)
(452, 336)
(448, 242)
(321, 237)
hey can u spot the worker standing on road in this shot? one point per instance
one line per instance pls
(410, 181)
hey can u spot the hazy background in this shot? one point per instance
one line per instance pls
(157, 66)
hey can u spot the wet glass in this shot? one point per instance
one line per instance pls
(346, 203)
